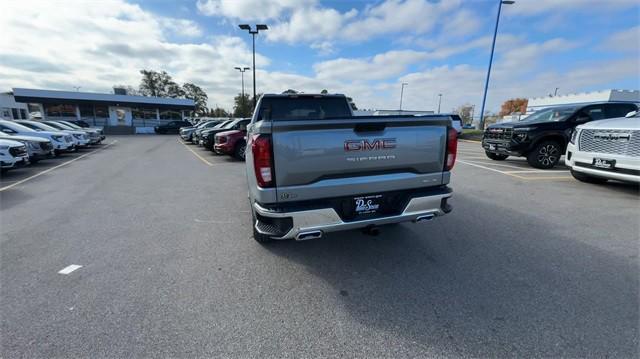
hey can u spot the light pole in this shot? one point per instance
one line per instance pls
(401, 94)
(493, 46)
(556, 92)
(242, 70)
(253, 36)
(77, 88)
(439, 101)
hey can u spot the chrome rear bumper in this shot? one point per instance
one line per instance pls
(327, 220)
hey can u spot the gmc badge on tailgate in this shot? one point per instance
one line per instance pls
(369, 145)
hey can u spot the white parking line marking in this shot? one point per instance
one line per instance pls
(513, 173)
(69, 269)
(490, 169)
(539, 171)
(500, 165)
(55, 167)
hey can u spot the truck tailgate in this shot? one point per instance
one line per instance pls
(337, 157)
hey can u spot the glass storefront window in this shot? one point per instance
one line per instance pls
(86, 111)
(170, 115)
(101, 111)
(60, 110)
(143, 113)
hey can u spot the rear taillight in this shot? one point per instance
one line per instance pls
(263, 160)
(452, 148)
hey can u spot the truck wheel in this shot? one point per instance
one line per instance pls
(239, 152)
(582, 177)
(259, 237)
(545, 155)
(496, 156)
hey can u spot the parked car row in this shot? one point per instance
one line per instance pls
(25, 141)
(222, 136)
(600, 141)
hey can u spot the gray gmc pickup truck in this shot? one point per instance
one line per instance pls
(313, 167)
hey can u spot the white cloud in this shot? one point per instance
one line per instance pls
(535, 7)
(117, 40)
(181, 27)
(250, 10)
(324, 48)
(309, 24)
(394, 16)
(624, 41)
(462, 23)
(43, 48)
(379, 67)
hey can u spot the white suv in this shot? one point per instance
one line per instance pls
(12, 154)
(606, 149)
(60, 141)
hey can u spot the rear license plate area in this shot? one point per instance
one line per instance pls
(370, 206)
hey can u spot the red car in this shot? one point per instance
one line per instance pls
(232, 143)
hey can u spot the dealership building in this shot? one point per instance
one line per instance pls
(116, 113)
(539, 103)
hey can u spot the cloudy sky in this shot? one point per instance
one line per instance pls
(361, 48)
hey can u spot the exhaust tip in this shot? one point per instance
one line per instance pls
(426, 217)
(303, 236)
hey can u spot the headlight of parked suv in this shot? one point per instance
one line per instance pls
(57, 138)
(574, 136)
(520, 134)
(33, 145)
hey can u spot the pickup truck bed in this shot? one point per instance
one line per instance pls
(328, 174)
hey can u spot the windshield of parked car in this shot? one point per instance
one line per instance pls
(555, 114)
(223, 124)
(39, 126)
(16, 126)
(74, 126)
(63, 126)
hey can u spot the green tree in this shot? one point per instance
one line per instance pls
(242, 107)
(465, 111)
(197, 94)
(130, 89)
(218, 112)
(158, 84)
(324, 92)
(290, 91)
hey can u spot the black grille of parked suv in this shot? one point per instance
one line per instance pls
(45, 146)
(18, 151)
(498, 133)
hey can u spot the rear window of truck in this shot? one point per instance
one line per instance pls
(303, 108)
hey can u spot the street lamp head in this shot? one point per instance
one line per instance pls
(237, 68)
(508, 2)
(246, 68)
(262, 27)
(245, 27)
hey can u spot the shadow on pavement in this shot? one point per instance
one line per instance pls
(468, 285)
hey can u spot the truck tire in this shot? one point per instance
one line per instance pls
(496, 156)
(239, 151)
(582, 177)
(259, 237)
(545, 155)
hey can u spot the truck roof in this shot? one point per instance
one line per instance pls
(294, 95)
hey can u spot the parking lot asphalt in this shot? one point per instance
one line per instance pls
(529, 264)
